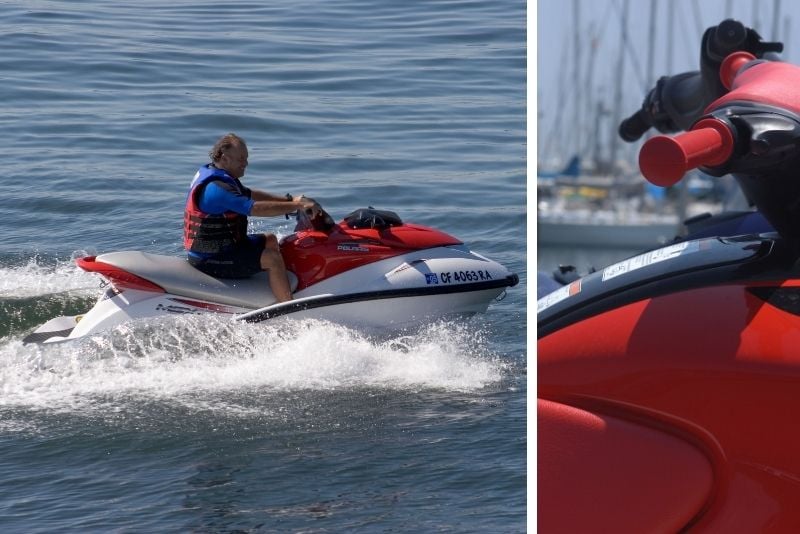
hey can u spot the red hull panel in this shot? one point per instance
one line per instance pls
(605, 474)
(314, 256)
(716, 366)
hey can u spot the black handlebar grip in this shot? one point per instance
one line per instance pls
(635, 126)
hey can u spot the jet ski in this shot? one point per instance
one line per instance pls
(370, 270)
(668, 382)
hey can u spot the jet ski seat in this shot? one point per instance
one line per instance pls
(178, 277)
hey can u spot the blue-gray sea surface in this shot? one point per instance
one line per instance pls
(199, 425)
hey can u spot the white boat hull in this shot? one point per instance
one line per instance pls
(396, 293)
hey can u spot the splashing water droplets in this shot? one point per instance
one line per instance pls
(39, 278)
(187, 357)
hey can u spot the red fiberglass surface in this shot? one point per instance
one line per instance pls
(315, 255)
(119, 277)
(772, 83)
(712, 372)
(667, 480)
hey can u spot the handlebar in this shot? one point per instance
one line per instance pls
(731, 65)
(635, 126)
(664, 160)
(672, 105)
(322, 222)
(677, 101)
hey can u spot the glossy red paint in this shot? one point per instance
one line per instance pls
(731, 65)
(664, 160)
(119, 278)
(773, 83)
(315, 255)
(668, 481)
(716, 368)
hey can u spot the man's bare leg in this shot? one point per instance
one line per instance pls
(272, 262)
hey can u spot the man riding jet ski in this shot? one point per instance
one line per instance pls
(369, 270)
(215, 220)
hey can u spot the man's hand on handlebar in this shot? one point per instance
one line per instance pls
(310, 215)
(309, 205)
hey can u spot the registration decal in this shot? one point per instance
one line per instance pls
(449, 277)
(650, 258)
(558, 295)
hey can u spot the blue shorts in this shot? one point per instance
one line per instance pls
(241, 262)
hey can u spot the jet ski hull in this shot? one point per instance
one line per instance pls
(396, 293)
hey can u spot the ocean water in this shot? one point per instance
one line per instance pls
(198, 425)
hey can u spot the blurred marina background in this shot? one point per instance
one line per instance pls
(596, 62)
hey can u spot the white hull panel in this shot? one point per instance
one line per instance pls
(395, 293)
(402, 312)
(395, 313)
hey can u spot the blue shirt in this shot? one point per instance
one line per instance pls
(218, 197)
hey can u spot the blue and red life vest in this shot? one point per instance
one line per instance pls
(211, 233)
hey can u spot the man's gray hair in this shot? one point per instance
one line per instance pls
(223, 145)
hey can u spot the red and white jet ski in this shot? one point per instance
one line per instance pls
(369, 270)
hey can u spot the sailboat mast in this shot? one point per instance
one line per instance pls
(576, 80)
(589, 100)
(670, 40)
(651, 48)
(776, 18)
(620, 77)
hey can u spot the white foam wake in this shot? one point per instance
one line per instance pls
(181, 357)
(37, 278)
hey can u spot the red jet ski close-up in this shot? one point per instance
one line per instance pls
(669, 382)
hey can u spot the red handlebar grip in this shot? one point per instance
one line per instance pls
(664, 160)
(731, 66)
